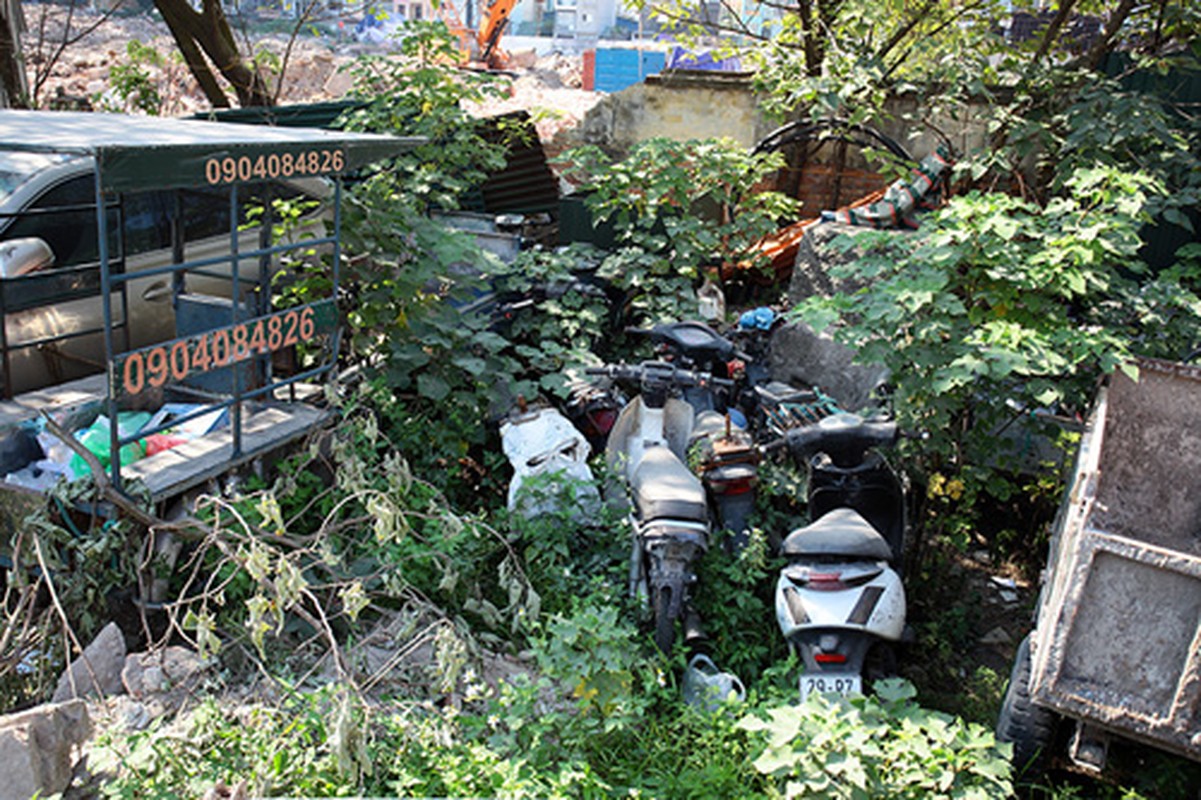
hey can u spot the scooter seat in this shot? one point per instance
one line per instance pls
(842, 532)
(665, 489)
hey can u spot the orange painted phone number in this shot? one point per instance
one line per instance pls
(231, 169)
(215, 349)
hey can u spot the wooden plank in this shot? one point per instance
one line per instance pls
(173, 471)
(25, 407)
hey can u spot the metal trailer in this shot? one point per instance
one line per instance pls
(224, 347)
(1116, 648)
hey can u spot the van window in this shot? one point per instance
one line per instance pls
(147, 222)
(65, 217)
(206, 211)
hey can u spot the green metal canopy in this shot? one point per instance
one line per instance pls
(161, 153)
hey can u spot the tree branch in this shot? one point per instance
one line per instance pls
(1096, 53)
(1051, 35)
(45, 64)
(179, 20)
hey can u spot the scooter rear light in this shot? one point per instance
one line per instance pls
(602, 421)
(830, 658)
(732, 487)
(795, 607)
(866, 604)
(826, 582)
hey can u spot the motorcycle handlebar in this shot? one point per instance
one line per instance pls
(843, 436)
(845, 440)
(658, 370)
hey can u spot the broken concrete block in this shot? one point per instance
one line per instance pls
(523, 59)
(161, 671)
(97, 671)
(36, 749)
(339, 83)
(802, 357)
(997, 635)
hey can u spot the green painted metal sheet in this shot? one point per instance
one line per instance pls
(299, 115)
(152, 152)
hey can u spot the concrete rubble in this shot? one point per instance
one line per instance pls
(36, 746)
(315, 71)
(171, 669)
(37, 749)
(97, 671)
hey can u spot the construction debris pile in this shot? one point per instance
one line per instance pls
(314, 69)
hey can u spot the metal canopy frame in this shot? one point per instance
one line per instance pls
(140, 153)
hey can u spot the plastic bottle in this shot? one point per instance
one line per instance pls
(712, 300)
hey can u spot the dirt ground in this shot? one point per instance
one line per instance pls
(309, 68)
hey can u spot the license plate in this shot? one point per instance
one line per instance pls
(844, 683)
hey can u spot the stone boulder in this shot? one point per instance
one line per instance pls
(172, 669)
(818, 254)
(36, 749)
(97, 671)
(802, 357)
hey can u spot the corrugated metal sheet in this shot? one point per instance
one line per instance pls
(307, 115)
(526, 185)
(1178, 89)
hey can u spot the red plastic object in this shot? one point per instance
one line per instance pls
(589, 77)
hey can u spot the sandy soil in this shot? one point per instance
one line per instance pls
(310, 68)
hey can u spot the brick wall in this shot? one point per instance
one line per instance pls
(690, 106)
(822, 186)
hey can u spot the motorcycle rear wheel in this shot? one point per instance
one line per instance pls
(665, 623)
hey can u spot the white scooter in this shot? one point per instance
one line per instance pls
(839, 599)
(670, 516)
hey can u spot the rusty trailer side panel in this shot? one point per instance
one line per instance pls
(1118, 640)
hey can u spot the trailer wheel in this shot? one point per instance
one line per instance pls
(1029, 727)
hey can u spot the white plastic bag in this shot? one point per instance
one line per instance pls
(542, 442)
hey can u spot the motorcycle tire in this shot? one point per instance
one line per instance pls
(1029, 727)
(665, 624)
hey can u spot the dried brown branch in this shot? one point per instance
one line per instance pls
(44, 64)
(68, 631)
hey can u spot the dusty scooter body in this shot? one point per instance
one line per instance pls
(839, 599)
(669, 514)
(720, 448)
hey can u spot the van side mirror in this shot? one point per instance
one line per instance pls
(23, 256)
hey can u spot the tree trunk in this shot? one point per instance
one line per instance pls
(207, 33)
(811, 41)
(1117, 18)
(14, 86)
(1051, 34)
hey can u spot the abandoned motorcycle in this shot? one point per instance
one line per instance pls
(669, 513)
(719, 446)
(840, 601)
